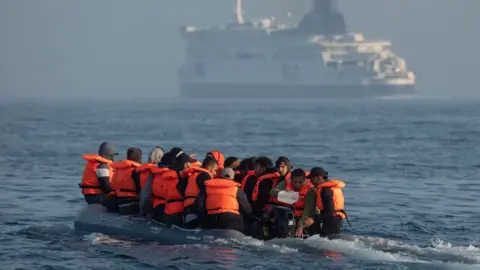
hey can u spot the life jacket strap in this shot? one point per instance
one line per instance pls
(127, 190)
(88, 186)
(176, 200)
(346, 217)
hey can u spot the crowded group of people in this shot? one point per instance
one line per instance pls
(216, 193)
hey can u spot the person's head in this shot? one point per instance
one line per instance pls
(318, 175)
(107, 150)
(232, 162)
(210, 165)
(262, 164)
(247, 165)
(167, 160)
(218, 156)
(156, 155)
(180, 159)
(283, 165)
(228, 173)
(134, 154)
(298, 179)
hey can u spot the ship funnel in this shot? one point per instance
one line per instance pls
(324, 18)
(239, 12)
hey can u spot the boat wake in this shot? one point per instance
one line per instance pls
(436, 254)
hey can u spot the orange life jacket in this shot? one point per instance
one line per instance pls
(90, 184)
(173, 198)
(192, 190)
(158, 189)
(122, 182)
(338, 199)
(144, 170)
(218, 156)
(274, 176)
(299, 205)
(221, 196)
(244, 181)
(287, 176)
(197, 164)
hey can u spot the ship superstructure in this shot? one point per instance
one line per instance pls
(315, 58)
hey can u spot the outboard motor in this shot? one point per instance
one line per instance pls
(284, 225)
(277, 222)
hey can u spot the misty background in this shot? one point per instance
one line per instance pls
(132, 49)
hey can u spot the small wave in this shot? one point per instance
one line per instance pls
(378, 249)
(372, 249)
(101, 239)
(249, 241)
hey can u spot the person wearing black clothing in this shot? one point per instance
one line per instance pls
(127, 204)
(284, 167)
(261, 165)
(192, 182)
(245, 166)
(96, 177)
(217, 211)
(330, 220)
(265, 182)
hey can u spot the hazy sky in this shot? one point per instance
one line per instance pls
(86, 48)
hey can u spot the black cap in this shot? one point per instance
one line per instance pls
(317, 171)
(180, 157)
(167, 160)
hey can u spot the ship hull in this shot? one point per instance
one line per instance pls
(204, 90)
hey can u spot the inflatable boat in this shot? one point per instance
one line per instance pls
(93, 218)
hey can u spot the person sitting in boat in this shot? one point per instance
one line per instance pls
(124, 188)
(95, 183)
(245, 166)
(305, 204)
(261, 167)
(261, 193)
(152, 197)
(233, 163)
(219, 157)
(329, 201)
(283, 166)
(223, 203)
(192, 181)
(174, 199)
(145, 174)
(145, 170)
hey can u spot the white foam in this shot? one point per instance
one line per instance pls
(101, 239)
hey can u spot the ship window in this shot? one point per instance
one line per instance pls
(199, 69)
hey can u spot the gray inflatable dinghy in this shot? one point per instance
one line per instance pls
(93, 218)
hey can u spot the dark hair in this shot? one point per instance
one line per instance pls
(265, 162)
(134, 154)
(247, 164)
(167, 159)
(281, 160)
(209, 162)
(298, 172)
(229, 161)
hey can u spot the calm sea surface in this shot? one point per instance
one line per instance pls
(411, 167)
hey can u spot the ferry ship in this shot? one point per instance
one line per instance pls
(315, 58)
